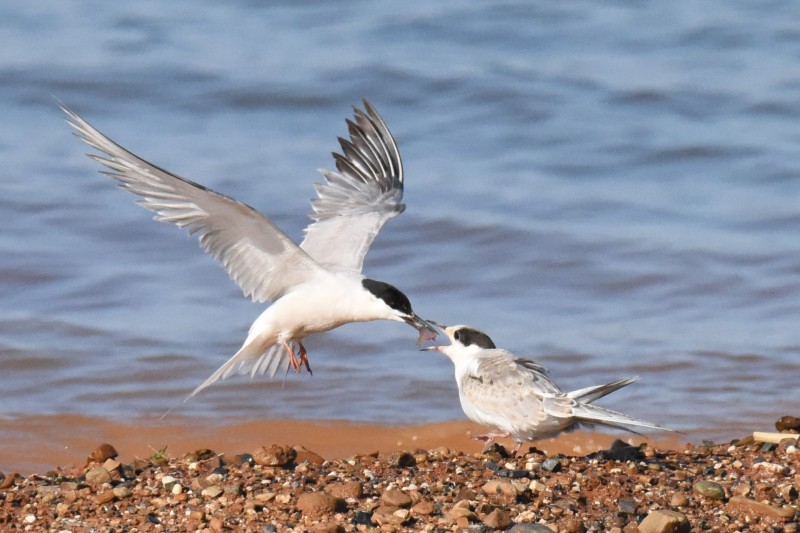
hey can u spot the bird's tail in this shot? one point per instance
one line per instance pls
(586, 413)
(252, 358)
(590, 394)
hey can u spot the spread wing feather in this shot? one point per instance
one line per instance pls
(255, 253)
(354, 202)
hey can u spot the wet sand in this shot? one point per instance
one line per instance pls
(39, 443)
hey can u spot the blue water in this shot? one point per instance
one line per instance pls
(612, 189)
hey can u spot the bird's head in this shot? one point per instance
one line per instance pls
(396, 306)
(464, 341)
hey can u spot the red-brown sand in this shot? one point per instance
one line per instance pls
(39, 443)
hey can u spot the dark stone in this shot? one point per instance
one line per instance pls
(788, 424)
(627, 506)
(552, 464)
(768, 447)
(506, 472)
(360, 518)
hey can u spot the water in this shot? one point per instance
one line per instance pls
(612, 189)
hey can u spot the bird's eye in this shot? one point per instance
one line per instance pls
(457, 336)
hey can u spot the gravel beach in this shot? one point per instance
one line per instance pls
(417, 485)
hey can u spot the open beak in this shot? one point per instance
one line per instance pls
(427, 329)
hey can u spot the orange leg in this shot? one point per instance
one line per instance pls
(293, 360)
(304, 357)
(489, 438)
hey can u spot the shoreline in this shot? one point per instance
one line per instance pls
(36, 444)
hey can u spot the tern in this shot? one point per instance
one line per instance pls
(515, 396)
(314, 287)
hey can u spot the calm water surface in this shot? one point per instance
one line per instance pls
(611, 189)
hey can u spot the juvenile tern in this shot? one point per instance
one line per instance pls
(516, 397)
(314, 287)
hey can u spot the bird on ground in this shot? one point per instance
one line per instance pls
(516, 397)
(314, 287)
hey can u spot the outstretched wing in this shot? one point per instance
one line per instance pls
(354, 203)
(255, 253)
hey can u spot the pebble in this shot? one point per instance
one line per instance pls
(214, 491)
(710, 489)
(499, 486)
(423, 508)
(274, 455)
(661, 521)
(627, 506)
(104, 497)
(97, 476)
(678, 500)
(738, 504)
(317, 504)
(498, 519)
(788, 424)
(304, 455)
(529, 528)
(345, 490)
(401, 459)
(121, 491)
(101, 453)
(396, 498)
(553, 464)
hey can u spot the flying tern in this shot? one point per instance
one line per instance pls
(515, 396)
(314, 287)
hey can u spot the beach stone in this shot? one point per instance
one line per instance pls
(627, 506)
(346, 489)
(385, 515)
(529, 528)
(9, 480)
(553, 464)
(661, 521)
(396, 498)
(424, 508)
(102, 452)
(401, 459)
(121, 491)
(274, 455)
(104, 497)
(679, 499)
(318, 504)
(97, 476)
(498, 519)
(788, 424)
(499, 486)
(201, 454)
(168, 482)
(741, 505)
(111, 464)
(304, 455)
(710, 489)
(213, 491)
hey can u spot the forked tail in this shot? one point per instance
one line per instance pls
(251, 359)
